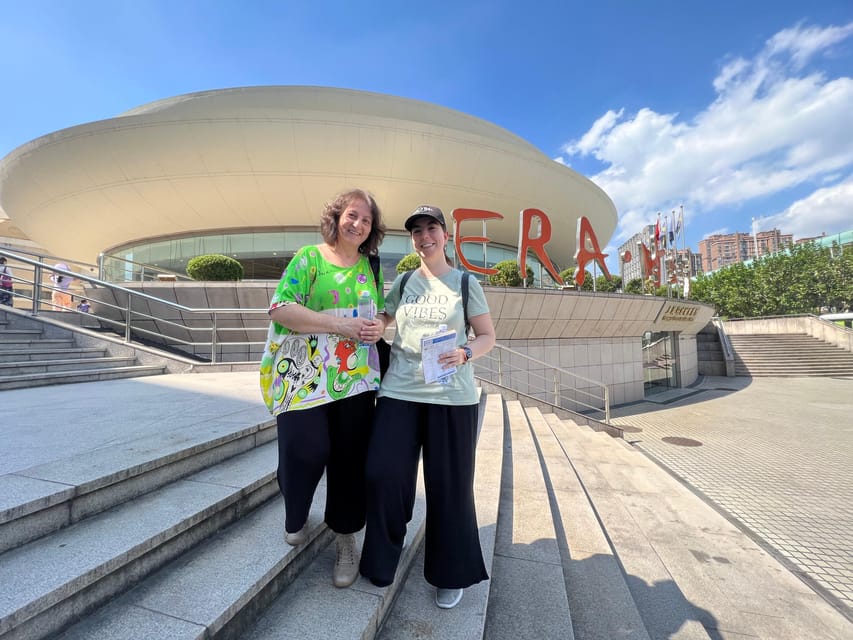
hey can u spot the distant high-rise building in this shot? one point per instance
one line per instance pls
(722, 250)
(634, 267)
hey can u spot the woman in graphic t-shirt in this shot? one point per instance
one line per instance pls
(436, 419)
(320, 373)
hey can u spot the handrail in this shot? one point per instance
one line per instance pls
(728, 351)
(554, 385)
(144, 269)
(131, 317)
(541, 380)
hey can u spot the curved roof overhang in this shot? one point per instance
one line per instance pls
(269, 157)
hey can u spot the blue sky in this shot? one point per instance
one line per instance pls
(734, 109)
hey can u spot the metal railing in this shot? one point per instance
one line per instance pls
(117, 268)
(134, 315)
(543, 381)
(137, 316)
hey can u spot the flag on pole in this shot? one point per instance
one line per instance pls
(657, 231)
(677, 224)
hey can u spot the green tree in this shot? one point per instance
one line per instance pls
(508, 275)
(409, 263)
(214, 267)
(603, 285)
(805, 278)
(567, 276)
(634, 285)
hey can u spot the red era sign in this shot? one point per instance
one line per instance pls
(587, 244)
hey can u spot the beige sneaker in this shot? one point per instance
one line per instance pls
(346, 564)
(298, 537)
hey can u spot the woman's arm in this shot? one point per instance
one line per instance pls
(303, 320)
(484, 335)
(480, 345)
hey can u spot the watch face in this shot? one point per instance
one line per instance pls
(468, 353)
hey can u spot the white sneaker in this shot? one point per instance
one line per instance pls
(448, 598)
(298, 537)
(346, 564)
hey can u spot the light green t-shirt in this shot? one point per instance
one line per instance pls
(427, 303)
(299, 371)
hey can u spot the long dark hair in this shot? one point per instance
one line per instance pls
(332, 214)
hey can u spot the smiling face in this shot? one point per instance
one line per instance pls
(429, 239)
(355, 223)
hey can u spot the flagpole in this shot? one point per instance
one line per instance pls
(688, 263)
(755, 239)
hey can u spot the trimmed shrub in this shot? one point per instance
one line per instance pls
(214, 267)
(409, 263)
(508, 275)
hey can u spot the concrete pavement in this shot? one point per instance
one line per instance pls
(774, 456)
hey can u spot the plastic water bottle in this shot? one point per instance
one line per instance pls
(365, 309)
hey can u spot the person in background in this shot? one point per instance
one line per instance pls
(320, 372)
(60, 297)
(438, 420)
(7, 283)
(84, 306)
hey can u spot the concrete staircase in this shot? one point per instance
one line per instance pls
(788, 355)
(35, 354)
(179, 535)
(709, 352)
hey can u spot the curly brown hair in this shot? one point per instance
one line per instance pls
(332, 214)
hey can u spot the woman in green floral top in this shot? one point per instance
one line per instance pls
(320, 373)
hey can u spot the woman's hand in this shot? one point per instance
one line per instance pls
(455, 358)
(371, 330)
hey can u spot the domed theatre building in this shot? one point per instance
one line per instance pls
(245, 172)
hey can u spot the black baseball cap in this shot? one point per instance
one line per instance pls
(428, 211)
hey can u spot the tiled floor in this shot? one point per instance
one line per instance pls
(776, 456)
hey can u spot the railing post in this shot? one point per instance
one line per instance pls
(213, 342)
(606, 405)
(127, 318)
(37, 271)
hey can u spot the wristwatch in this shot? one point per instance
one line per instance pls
(468, 353)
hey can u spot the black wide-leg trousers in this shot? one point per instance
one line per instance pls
(447, 435)
(331, 437)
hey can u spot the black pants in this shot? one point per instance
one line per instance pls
(333, 437)
(448, 437)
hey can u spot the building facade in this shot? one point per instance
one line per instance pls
(719, 251)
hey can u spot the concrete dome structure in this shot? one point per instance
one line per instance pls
(266, 158)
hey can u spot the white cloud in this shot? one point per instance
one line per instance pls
(804, 43)
(828, 210)
(771, 127)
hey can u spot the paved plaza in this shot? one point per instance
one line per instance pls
(774, 456)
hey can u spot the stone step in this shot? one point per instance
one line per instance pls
(610, 476)
(96, 374)
(218, 588)
(12, 343)
(67, 574)
(311, 607)
(42, 499)
(528, 591)
(599, 599)
(70, 364)
(21, 355)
